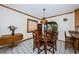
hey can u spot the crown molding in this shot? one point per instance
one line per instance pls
(60, 14)
(32, 15)
(19, 11)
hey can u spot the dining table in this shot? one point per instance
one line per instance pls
(75, 35)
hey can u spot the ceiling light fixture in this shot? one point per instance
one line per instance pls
(43, 20)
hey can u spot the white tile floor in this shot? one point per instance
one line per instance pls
(26, 47)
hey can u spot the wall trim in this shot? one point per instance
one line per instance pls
(61, 40)
(18, 11)
(60, 14)
(1, 47)
(32, 38)
(25, 39)
(34, 16)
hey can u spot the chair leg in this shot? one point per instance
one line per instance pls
(39, 51)
(65, 46)
(45, 48)
(53, 50)
(55, 47)
(74, 48)
(75, 51)
(33, 47)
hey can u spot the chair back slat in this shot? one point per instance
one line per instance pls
(37, 43)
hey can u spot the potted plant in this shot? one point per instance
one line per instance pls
(52, 26)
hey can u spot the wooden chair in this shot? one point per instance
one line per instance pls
(37, 41)
(54, 36)
(50, 41)
(70, 42)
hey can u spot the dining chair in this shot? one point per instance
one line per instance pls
(70, 42)
(37, 43)
(50, 41)
(54, 36)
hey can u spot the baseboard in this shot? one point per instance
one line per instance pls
(61, 40)
(1, 47)
(32, 38)
(25, 39)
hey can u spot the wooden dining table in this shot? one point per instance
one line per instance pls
(75, 35)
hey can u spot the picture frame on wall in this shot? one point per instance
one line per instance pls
(31, 25)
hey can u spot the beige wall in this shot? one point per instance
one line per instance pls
(9, 17)
(64, 26)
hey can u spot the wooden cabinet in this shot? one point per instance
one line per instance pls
(77, 17)
(7, 39)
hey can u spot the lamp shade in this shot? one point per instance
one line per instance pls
(43, 20)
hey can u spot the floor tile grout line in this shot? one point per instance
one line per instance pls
(28, 45)
(22, 49)
(17, 50)
(25, 46)
(60, 49)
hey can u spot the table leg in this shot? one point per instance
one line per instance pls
(78, 45)
(45, 48)
(13, 44)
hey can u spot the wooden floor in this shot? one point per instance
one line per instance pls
(26, 47)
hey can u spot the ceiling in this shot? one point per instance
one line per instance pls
(51, 9)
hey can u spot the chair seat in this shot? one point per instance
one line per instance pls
(70, 39)
(50, 43)
(42, 43)
(70, 42)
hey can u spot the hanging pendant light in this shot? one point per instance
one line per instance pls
(43, 20)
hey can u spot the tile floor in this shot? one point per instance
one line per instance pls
(26, 47)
